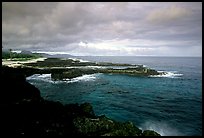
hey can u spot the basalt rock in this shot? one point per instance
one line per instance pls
(150, 133)
(59, 71)
(25, 112)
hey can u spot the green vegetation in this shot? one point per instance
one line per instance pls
(103, 126)
(18, 56)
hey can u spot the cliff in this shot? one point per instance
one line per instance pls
(25, 112)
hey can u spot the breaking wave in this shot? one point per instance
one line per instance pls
(47, 78)
(91, 77)
(41, 77)
(162, 128)
(80, 60)
(168, 74)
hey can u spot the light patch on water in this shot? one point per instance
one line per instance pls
(162, 128)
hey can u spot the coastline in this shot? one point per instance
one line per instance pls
(62, 69)
(14, 64)
(174, 85)
(48, 118)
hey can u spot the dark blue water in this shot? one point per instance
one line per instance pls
(170, 105)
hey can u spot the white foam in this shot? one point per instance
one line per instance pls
(98, 67)
(80, 60)
(35, 76)
(16, 51)
(42, 77)
(91, 77)
(74, 67)
(160, 127)
(47, 78)
(168, 74)
(140, 65)
(145, 66)
(83, 60)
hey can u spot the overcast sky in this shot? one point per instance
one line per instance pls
(116, 29)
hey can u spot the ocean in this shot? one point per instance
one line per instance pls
(170, 104)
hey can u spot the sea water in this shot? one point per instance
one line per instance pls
(170, 104)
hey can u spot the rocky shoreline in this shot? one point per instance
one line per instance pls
(62, 69)
(25, 112)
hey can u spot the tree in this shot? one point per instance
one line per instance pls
(10, 50)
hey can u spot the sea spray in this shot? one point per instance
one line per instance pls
(161, 127)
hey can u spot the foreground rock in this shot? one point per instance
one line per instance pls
(104, 126)
(25, 112)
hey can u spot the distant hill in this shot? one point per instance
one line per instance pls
(26, 52)
(6, 54)
(5, 50)
(62, 56)
(56, 55)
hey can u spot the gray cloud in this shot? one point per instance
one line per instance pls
(109, 28)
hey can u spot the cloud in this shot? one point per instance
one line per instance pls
(107, 28)
(170, 14)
